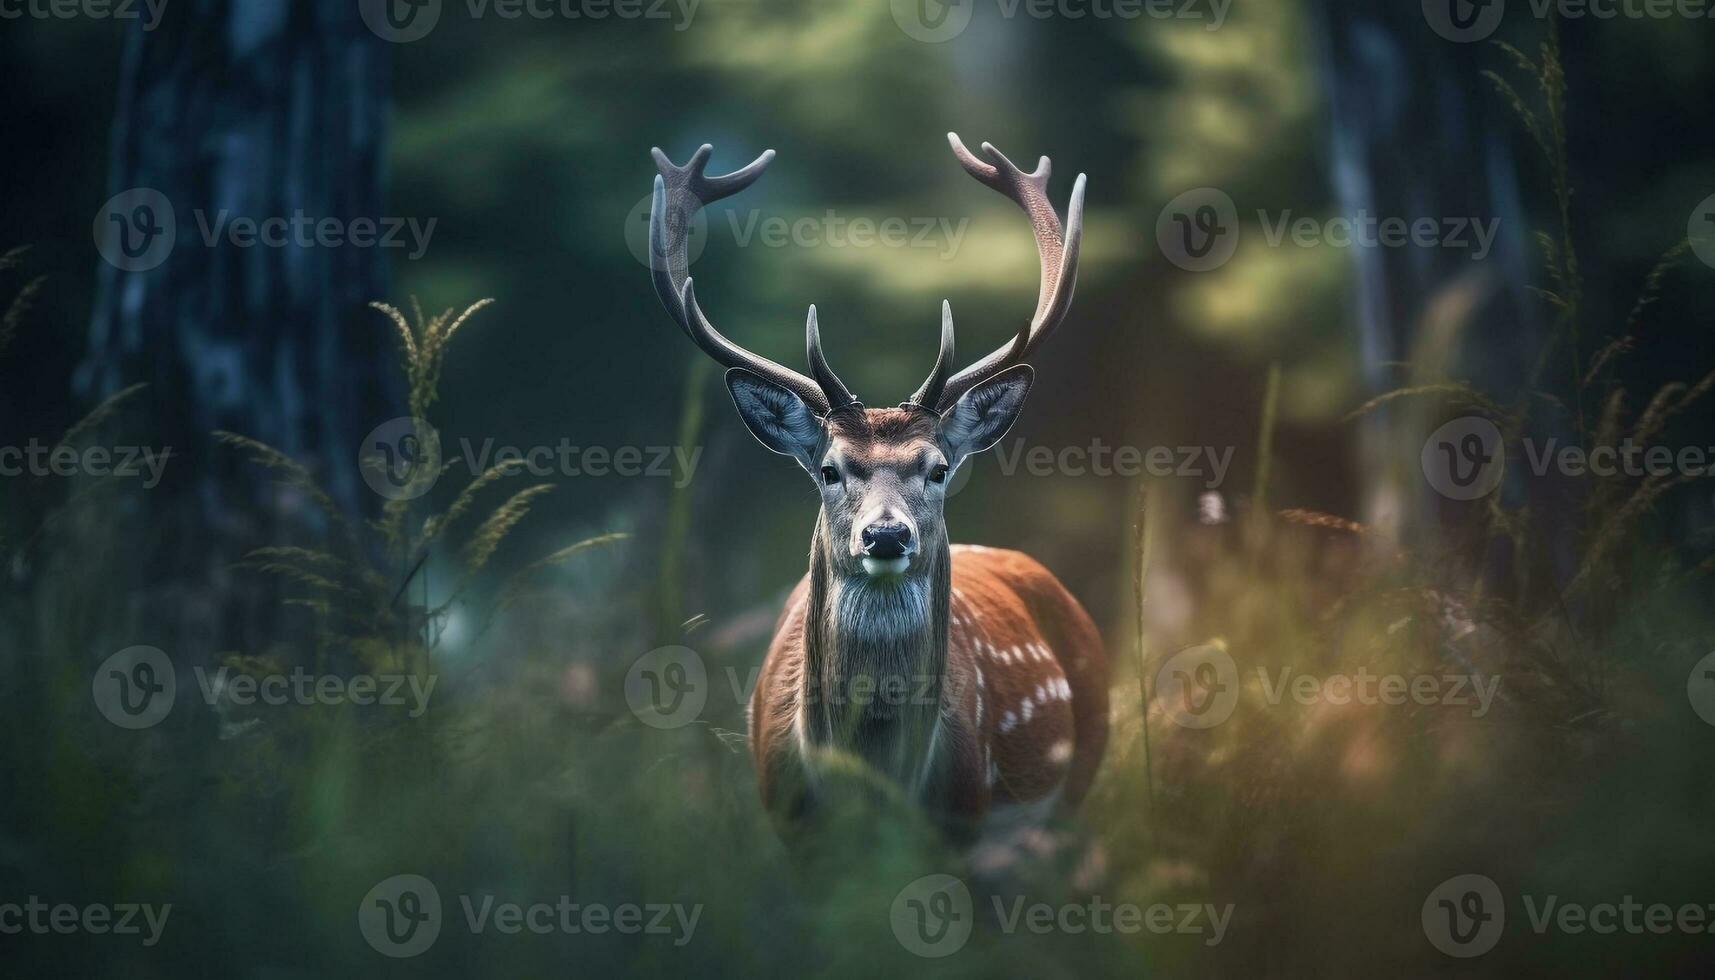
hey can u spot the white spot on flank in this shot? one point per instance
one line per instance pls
(1026, 709)
(1041, 694)
(1060, 752)
(1008, 722)
(1065, 690)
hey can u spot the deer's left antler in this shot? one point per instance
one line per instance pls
(1056, 248)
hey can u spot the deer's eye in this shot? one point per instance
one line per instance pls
(830, 476)
(938, 474)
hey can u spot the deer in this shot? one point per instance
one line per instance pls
(967, 678)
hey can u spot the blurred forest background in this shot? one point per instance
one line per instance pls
(526, 142)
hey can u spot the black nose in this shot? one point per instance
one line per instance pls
(886, 539)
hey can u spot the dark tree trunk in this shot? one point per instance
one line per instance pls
(259, 109)
(1417, 132)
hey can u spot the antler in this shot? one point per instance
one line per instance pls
(1057, 250)
(680, 192)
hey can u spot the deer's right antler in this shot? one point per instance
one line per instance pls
(680, 192)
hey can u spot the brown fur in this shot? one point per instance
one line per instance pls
(1000, 601)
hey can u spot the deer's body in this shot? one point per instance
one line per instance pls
(968, 677)
(1018, 716)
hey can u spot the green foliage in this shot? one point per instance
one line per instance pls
(360, 601)
(1615, 505)
(1313, 810)
(32, 503)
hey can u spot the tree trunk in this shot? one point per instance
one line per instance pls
(256, 109)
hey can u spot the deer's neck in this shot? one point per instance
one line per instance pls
(876, 660)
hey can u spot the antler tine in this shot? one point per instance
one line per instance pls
(1056, 247)
(929, 395)
(679, 193)
(839, 396)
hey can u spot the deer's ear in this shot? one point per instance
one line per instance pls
(982, 415)
(777, 417)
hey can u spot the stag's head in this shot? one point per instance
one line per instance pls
(882, 472)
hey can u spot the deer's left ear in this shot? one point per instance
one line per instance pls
(982, 415)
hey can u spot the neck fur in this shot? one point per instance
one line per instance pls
(876, 656)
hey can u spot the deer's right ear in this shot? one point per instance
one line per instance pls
(776, 416)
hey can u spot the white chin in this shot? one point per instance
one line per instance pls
(886, 566)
